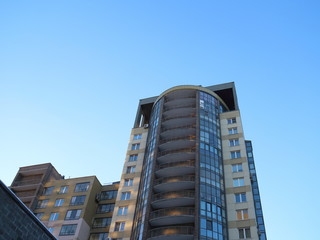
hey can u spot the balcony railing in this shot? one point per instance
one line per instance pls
(182, 150)
(172, 195)
(26, 182)
(163, 129)
(179, 116)
(186, 178)
(188, 163)
(179, 106)
(177, 211)
(172, 98)
(191, 137)
(183, 230)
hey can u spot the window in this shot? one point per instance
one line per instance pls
(244, 233)
(237, 167)
(68, 229)
(238, 182)
(240, 197)
(131, 169)
(133, 158)
(122, 211)
(39, 215)
(105, 195)
(54, 216)
(234, 142)
(101, 222)
(125, 195)
(135, 146)
(235, 154)
(73, 214)
(233, 130)
(82, 187)
(242, 214)
(128, 182)
(231, 120)
(77, 200)
(104, 208)
(99, 236)
(119, 226)
(51, 229)
(59, 202)
(137, 136)
(42, 203)
(47, 191)
(63, 189)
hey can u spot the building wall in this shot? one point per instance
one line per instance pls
(16, 221)
(135, 176)
(234, 224)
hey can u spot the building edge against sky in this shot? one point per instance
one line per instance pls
(188, 174)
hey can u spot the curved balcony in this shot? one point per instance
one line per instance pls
(179, 116)
(172, 113)
(172, 216)
(180, 132)
(176, 155)
(172, 233)
(168, 144)
(168, 107)
(176, 168)
(171, 100)
(173, 199)
(177, 122)
(169, 184)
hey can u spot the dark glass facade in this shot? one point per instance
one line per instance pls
(255, 192)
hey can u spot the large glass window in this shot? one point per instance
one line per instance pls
(137, 136)
(47, 191)
(101, 222)
(133, 157)
(135, 146)
(234, 142)
(59, 202)
(237, 167)
(233, 130)
(125, 195)
(82, 187)
(105, 195)
(104, 208)
(231, 120)
(73, 214)
(77, 200)
(68, 229)
(63, 189)
(240, 197)
(123, 210)
(99, 236)
(128, 182)
(54, 216)
(238, 182)
(42, 203)
(235, 154)
(242, 214)
(131, 169)
(119, 226)
(244, 233)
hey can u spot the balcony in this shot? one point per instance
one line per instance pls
(172, 233)
(176, 155)
(176, 168)
(177, 142)
(169, 184)
(170, 106)
(173, 199)
(181, 111)
(172, 216)
(173, 132)
(177, 122)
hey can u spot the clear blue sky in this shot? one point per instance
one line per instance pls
(72, 73)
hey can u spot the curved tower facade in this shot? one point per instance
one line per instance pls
(191, 178)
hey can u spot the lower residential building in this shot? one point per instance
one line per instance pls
(189, 174)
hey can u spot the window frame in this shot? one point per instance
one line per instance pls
(133, 158)
(119, 226)
(42, 203)
(234, 142)
(68, 233)
(59, 200)
(105, 221)
(77, 203)
(240, 197)
(122, 211)
(53, 216)
(47, 191)
(135, 146)
(233, 130)
(232, 120)
(235, 154)
(76, 217)
(131, 169)
(238, 182)
(128, 182)
(237, 167)
(125, 195)
(246, 233)
(82, 187)
(64, 189)
(137, 136)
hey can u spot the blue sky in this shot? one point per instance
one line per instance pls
(72, 73)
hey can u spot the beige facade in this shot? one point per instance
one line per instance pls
(129, 183)
(240, 210)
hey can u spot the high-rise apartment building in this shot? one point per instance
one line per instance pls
(189, 174)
